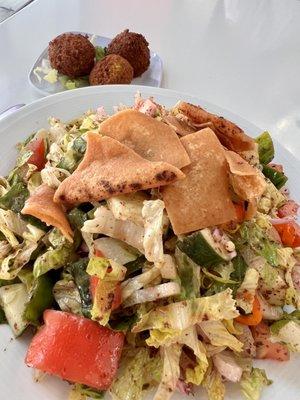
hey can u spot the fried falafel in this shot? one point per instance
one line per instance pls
(72, 54)
(134, 47)
(112, 69)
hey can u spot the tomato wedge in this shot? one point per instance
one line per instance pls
(38, 158)
(76, 349)
(254, 318)
(289, 233)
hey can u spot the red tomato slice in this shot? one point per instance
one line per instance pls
(289, 233)
(76, 349)
(265, 349)
(38, 158)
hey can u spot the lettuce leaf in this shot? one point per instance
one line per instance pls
(152, 212)
(52, 259)
(253, 382)
(67, 296)
(287, 330)
(182, 315)
(249, 287)
(105, 223)
(153, 293)
(128, 207)
(219, 335)
(14, 262)
(137, 372)
(82, 392)
(15, 198)
(131, 285)
(189, 275)
(116, 250)
(82, 281)
(214, 385)
(171, 371)
(254, 235)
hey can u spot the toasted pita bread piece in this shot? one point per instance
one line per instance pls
(247, 182)
(150, 138)
(41, 205)
(229, 134)
(202, 199)
(108, 169)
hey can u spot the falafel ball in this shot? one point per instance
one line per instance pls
(134, 47)
(72, 54)
(112, 69)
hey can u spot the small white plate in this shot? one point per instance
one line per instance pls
(151, 77)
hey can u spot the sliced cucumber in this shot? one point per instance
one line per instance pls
(202, 249)
(13, 299)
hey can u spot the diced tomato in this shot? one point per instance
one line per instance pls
(94, 280)
(265, 349)
(289, 233)
(240, 211)
(98, 253)
(38, 158)
(254, 318)
(290, 209)
(76, 349)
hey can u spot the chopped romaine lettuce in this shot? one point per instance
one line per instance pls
(253, 382)
(116, 250)
(214, 385)
(219, 335)
(82, 281)
(246, 292)
(105, 223)
(138, 371)
(182, 315)
(67, 296)
(152, 212)
(14, 199)
(171, 371)
(189, 275)
(16, 260)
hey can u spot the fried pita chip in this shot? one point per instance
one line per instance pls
(181, 127)
(203, 198)
(41, 205)
(149, 138)
(247, 182)
(229, 134)
(108, 169)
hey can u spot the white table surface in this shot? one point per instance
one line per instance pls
(239, 54)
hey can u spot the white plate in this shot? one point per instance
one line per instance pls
(16, 379)
(151, 77)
